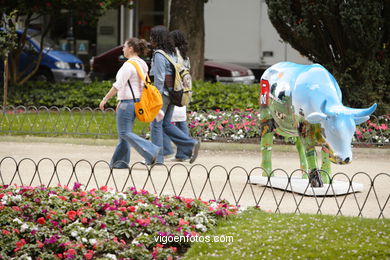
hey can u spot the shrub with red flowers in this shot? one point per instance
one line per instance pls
(70, 223)
(375, 131)
(245, 124)
(235, 125)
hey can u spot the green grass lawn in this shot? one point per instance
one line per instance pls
(64, 123)
(260, 235)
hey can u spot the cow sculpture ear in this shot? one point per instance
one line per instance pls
(359, 120)
(316, 118)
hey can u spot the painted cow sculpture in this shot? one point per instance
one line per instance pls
(304, 102)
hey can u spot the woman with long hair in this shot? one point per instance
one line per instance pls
(179, 116)
(163, 72)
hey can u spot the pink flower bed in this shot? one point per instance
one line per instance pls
(71, 223)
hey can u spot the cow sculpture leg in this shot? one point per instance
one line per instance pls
(306, 133)
(267, 134)
(325, 167)
(302, 157)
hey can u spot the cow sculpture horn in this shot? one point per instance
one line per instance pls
(364, 111)
(356, 112)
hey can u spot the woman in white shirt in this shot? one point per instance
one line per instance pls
(125, 78)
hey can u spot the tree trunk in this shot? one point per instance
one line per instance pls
(188, 16)
(6, 76)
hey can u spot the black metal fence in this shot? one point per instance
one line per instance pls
(94, 122)
(57, 121)
(235, 185)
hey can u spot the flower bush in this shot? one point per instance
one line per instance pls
(235, 125)
(70, 223)
(245, 124)
(377, 131)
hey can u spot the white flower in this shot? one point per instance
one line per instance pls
(17, 198)
(84, 240)
(140, 204)
(17, 220)
(24, 227)
(92, 241)
(122, 195)
(201, 227)
(111, 256)
(4, 199)
(74, 234)
(89, 229)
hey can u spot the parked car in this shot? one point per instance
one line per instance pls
(227, 73)
(106, 65)
(55, 65)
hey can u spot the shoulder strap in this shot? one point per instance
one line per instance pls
(180, 58)
(166, 56)
(132, 92)
(140, 73)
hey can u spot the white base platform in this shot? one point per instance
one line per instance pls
(301, 186)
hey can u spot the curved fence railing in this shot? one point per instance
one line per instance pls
(361, 194)
(94, 122)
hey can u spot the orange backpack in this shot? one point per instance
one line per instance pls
(151, 100)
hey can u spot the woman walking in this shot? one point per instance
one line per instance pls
(163, 72)
(179, 116)
(127, 78)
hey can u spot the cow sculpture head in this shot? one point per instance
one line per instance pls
(338, 125)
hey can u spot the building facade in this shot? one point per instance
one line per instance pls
(235, 31)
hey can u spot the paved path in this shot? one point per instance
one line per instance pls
(214, 159)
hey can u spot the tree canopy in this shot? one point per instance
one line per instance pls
(349, 37)
(86, 10)
(26, 12)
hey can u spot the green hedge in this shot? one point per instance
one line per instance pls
(208, 95)
(78, 94)
(70, 94)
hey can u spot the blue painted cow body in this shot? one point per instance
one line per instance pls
(305, 101)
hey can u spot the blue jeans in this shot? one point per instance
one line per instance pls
(168, 150)
(183, 141)
(125, 117)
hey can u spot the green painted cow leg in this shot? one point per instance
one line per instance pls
(306, 134)
(302, 157)
(266, 130)
(311, 157)
(266, 153)
(325, 167)
(315, 178)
